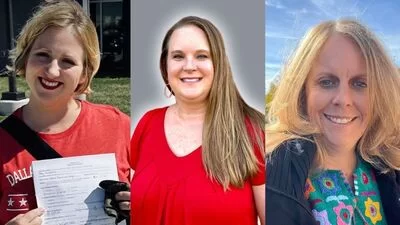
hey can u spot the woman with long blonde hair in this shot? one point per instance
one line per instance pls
(333, 152)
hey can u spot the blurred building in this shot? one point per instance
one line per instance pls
(111, 18)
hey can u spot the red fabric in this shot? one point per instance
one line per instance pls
(98, 129)
(170, 190)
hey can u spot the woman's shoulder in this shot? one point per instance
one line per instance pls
(298, 148)
(150, 115)
(294, 155)
(155, 111)
(17, 114)
(288, 165)
(102, 108)
(287, 169)
(107, 112)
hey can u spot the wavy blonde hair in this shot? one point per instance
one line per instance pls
(228, 144)
(59, 13)
(287, 116)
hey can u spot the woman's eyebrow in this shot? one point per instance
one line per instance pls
(176, 51)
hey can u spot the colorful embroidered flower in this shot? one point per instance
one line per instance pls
(314, 202)
(343, 213)
(365, 178)
(321, 217)
(309, 188)
(336, 198)
(328, 184)
(372, 210)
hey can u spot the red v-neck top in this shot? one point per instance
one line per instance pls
(171, 190)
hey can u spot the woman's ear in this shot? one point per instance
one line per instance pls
(303, 103)
(83, 79)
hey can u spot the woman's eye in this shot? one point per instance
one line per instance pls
(327, 83)
(360, 84)
(42, 54)
(202, 56)
(69, 61)
(177, 57)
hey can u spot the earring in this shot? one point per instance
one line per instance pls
(167, 92)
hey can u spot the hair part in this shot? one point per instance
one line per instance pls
(59, 13)
(287, 117)
(232, 129)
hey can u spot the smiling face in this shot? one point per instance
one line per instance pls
(337, 93)
(54, 66)
(189, 64)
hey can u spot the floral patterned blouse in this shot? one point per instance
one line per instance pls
(334, 201)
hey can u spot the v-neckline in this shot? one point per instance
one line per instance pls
(168, 145)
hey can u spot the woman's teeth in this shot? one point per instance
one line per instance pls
(191, 80)
(339, 120)
(48, 83)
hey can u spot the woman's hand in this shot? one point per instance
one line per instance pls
(124, 199)
(30, 218)
(117, 199)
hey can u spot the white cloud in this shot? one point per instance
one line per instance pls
(279, 35)
(273, 65)
(339, 8)
(271, 71)
(275, 3)
(298, 12)
(392, 44)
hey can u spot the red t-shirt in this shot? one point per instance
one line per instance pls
(98, 129)
(171, 190)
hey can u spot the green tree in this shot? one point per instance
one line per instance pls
(269, 96)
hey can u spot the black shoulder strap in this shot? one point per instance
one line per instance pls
(28, 138)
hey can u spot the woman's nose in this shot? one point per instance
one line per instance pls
(343, 96)
(190, 65)
(53, 69)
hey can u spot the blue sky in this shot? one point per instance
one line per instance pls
(288, 20)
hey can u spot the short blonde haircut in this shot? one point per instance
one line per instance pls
(287, 116)
(59, 13)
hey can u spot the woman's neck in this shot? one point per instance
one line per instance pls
(51, 118)
(186, 112)
(344, 160)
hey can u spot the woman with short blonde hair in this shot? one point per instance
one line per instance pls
(59, 14)
(57, 53)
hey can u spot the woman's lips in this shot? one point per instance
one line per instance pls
(190, 79)
(48, 84)
(339, 119)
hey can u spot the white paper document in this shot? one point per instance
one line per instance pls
(68, 188)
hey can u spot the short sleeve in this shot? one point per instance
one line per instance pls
(137, 137)
(123, 156)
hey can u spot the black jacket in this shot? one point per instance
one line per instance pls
(287, 171)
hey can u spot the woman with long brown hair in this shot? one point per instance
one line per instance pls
(200, 160)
